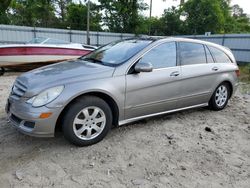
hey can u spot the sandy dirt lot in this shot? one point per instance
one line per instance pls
(168, 151)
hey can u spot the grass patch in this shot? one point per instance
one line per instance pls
(244, 79)
(245, 73)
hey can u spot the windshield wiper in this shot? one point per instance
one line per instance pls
(93, 60)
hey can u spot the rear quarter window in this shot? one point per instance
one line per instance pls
(219, 55)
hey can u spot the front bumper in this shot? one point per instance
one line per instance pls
(26, 119)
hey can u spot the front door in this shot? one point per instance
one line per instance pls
(156, 91)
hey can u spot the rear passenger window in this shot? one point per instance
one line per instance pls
(209, 56)
(192, 53)
(219, 56)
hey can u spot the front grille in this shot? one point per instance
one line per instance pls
(16, 119)
(18, 89)
(29, 124)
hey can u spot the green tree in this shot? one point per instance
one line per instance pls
(156, 26)
(168, 24)
(122, 15)
(61, 8)
(172, 24)
(236, 21)
(45, 13)
(240, 20)
(77, 17)
(33, 13)
(215, 16)
(4, 4)
(237, 11)
(204, 16)
(150, 26)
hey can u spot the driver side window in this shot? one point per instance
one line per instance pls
(161, 56)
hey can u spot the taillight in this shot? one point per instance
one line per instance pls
(237, 73)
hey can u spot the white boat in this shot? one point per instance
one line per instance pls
(41, 51)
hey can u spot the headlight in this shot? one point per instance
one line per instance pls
(46, 96)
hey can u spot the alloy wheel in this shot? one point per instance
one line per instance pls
(89, 123)
(221, 96)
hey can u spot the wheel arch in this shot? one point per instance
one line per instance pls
(107, 98)
(229, 83)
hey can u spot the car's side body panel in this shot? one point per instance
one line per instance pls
(226, 74)
(112, 86)
(153, 92)
(196, 84)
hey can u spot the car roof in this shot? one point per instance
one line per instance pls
(149, 38)
(186, 40)
(180, 39)
(160, 39)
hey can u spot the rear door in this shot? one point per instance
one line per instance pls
(156, 91)
(199, 72)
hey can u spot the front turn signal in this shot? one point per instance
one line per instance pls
(45, 115)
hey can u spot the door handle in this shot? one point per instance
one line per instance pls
(175, 73)
(215, 68)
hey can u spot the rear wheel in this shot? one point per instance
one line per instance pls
(87, 121)
(220, 97)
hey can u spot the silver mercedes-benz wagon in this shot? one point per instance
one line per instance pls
(119, 83)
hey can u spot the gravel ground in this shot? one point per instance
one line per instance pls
(195, 148)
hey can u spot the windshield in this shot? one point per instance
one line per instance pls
(55, 41)
(117, 52)
(43, 40)
(37, 40)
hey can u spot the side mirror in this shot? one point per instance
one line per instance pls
(143, 67)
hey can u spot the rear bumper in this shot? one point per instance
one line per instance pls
(235, 87)
(27, 120)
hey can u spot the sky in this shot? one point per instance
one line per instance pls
(159, 6)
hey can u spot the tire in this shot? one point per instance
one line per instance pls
(87, 121)
(2, 71)
(220, 97)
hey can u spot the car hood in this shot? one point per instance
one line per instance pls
(61, 74)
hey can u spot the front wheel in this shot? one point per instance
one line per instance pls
(220, 97)
(2, 71)
(87, 121)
